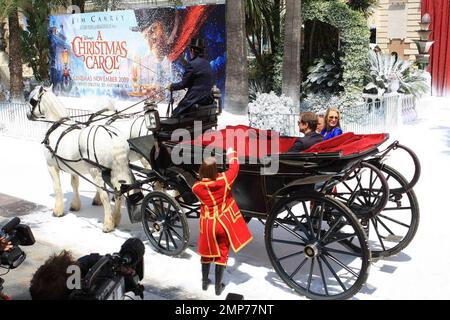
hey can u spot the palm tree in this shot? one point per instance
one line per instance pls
(263, 20)
(386, 70)
(365, 6)
(236, 98)
(15, 56)
(10, 9)
(292, 47)
(35, 44)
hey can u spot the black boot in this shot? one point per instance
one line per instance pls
(205, 272)
(219, 276)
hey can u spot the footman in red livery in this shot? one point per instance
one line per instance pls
(221, 222)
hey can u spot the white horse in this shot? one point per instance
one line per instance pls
(81, 150)
(129, 127)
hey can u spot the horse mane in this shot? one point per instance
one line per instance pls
(53, 105)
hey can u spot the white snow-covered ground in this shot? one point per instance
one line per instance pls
(419, 272)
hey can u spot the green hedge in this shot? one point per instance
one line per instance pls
(354, 34)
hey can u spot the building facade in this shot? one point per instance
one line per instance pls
(395, 23)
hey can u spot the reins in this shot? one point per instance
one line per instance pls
(79, 125)
(67, 162)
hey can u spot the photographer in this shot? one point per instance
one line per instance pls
(5, 245)
(12, 235)
(51, 281)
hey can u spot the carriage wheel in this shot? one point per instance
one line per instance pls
(165, 224)
(394, 228)
(303, 240)
(365, 192)
(410, 181)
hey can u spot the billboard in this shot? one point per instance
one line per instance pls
(132, 54)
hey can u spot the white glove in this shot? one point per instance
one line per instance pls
(230, 151)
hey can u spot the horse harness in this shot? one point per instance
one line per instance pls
(36, 103)
(93, 131)
(134, 124)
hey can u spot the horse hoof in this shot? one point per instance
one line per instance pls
(58, 215)
(108, 229)
(96, 204)
(75, 209)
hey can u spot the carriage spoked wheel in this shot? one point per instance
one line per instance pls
(412, 173)
(165, 224)
(365, 192)
(395, 226)
(303, 239)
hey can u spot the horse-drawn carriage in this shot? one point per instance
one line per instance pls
(327, 211)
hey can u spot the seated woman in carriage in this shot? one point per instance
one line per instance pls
(332, 125)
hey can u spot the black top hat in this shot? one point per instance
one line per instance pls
(198, 43)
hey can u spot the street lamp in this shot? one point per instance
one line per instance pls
(426, 22)
(423, 44)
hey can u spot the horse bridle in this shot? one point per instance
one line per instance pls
(36, 103)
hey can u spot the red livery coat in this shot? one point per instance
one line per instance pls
(219, 207)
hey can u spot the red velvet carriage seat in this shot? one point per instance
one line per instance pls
(251, 142)
(349, 144)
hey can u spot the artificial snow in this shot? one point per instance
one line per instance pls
(419, 272)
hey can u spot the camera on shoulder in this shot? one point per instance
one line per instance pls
(18, 235)
(111, 276)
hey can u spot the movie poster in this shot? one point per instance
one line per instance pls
(132, 54)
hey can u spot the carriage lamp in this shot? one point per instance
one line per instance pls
(218, 98)
(151, 116)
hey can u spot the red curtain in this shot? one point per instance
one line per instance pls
(439, 11)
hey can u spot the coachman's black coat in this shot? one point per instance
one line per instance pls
(199, 80)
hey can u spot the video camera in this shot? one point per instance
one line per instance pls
(112, 276)
(19, 235)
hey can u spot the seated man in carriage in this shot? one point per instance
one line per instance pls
(198, 79)
(308, 126)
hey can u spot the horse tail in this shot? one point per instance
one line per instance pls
(120, 170)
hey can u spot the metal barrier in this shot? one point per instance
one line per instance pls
(374, 116)
(14, 122)
(409, 110)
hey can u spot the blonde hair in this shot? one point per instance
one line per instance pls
(338, 125)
